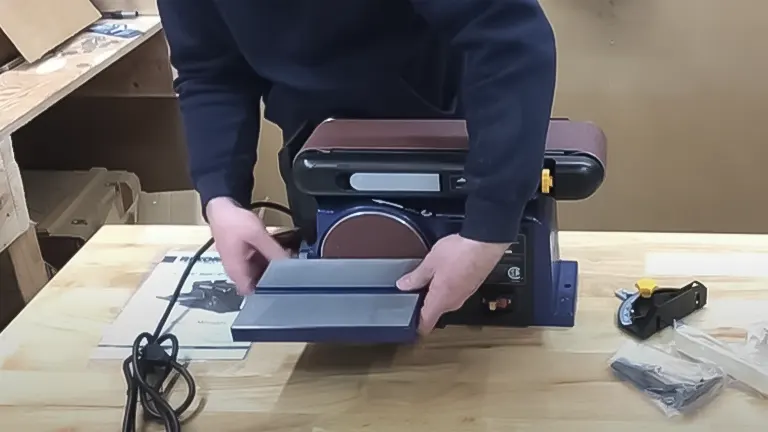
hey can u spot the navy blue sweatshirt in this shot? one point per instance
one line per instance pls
(491, 62)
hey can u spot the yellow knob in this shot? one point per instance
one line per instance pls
(646, 287)
(546, 181)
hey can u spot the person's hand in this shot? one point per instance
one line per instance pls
(453, 270)
(243, 243)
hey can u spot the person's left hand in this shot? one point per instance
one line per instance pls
(454, 269)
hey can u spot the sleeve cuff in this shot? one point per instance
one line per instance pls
(214, 186)
(491, 222)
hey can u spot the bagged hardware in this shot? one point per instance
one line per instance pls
(674, 384)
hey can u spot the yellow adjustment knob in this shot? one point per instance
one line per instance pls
(546, 181)
(646, 287)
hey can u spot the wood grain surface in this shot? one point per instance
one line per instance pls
(30, 89)
(146, 72)
(458, 379)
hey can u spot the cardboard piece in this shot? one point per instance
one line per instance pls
(68, 207)
(14, 218)
(36, 27)
(180, 207)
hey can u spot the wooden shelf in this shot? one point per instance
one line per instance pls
(30, 89)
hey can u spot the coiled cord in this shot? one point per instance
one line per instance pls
(149, 366)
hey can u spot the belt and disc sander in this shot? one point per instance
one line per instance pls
(373, 235)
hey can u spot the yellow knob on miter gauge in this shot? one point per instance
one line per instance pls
(646, 287)
(546, 181)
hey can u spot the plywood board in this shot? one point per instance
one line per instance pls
(14, 217)
(679, 88)
(145, 72)
(38, 26)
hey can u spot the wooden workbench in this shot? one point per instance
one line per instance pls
(456, 380)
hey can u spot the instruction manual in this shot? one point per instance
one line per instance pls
(201, 318)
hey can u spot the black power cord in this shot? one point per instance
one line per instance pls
(149, 365)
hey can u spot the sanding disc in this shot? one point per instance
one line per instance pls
(373, 235)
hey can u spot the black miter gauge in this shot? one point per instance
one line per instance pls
(651, 309)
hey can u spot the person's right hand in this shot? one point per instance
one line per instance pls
(243, 242)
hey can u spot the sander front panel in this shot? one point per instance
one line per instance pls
(387, 190)
(530, 286)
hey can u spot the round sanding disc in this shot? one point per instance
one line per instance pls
(373, 235)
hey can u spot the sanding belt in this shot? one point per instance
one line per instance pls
(352, 237)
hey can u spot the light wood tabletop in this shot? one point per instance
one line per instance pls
(458, 379)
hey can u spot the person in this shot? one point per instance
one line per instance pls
(489, 62)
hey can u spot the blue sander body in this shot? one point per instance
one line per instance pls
(368, 192)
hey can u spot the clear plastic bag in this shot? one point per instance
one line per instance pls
(676, 385)
(755, 346)
(746, 361)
